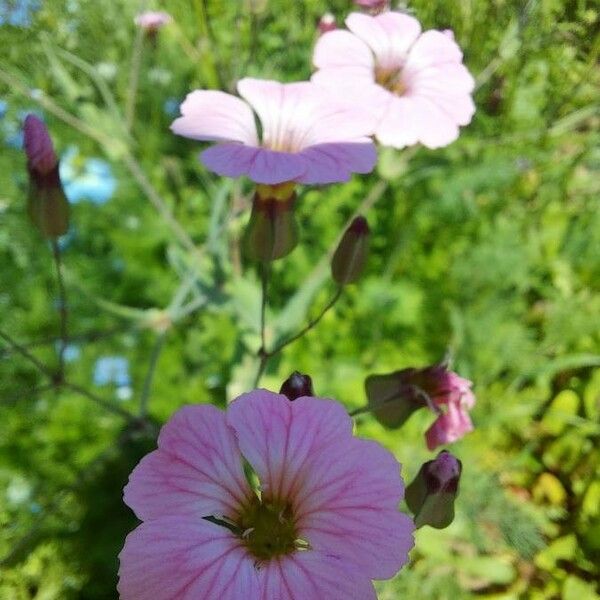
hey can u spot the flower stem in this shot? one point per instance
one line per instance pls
(145, 396)
(62, 296)
(57, 382)
(312, 323)
(134, 77)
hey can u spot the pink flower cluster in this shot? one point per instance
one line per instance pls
(384, 78)
(322, 522)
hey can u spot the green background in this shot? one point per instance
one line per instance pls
(488, 249)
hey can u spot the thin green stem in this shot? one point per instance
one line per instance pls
(57, 381)
(62, 297)
(134, 77)
(312, 323)
(145, 396)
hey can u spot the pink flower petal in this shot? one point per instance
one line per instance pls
(342, 49)
(330, 163)
(411, 119)
(209, 115)
(175, 558)
(272, 167)
(349, 506)
(389, 35)
(432, 48)
(313, 575)
(197, 469)
(230, 160)
(449, 427)
(279, 437)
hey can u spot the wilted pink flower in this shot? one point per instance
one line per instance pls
(322, 523)
(450, 394)
(39, 150)
(326, 23)
(306, 136)
(449, 427)
(413, 81)
(152, 21)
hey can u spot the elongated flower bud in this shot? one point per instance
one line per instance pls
(46, 204)
(296, 386)
(272, 232)
(432, 493)
(351, 254)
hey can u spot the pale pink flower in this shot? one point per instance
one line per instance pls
(413, 81)
(323, 525)
(306, 136)
(152, 21)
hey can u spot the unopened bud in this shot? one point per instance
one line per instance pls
(272, 232)
(326, 23)
(373, 7)
(432, 493)
(38, 147)
(392, 398)
(296, 386)
(350, 256)
(46, 204)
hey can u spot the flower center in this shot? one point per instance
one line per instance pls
(268, 529)
(390, 79)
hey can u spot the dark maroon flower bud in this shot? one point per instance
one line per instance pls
(272, 232)
(350, 256)
(46, 203)
(296, 386)
(41, 157)
(432, 493)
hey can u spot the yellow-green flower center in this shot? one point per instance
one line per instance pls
(268, 529)
(390, 79)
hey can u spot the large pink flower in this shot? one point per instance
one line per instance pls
(322, 524)
(306, 136)
(413, 81)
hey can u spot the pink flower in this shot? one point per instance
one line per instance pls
(153, 21)
(306, 137)
(322, 523)
(453, 397)
(449, 427)
(413, 81)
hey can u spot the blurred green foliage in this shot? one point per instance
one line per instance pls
(489, 248)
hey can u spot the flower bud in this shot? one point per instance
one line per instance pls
(350, 256)
(46, 203)
(392, 398)
(296, 386)
(272, 232)
(326, 23)
(373, 7)
(432, 493)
